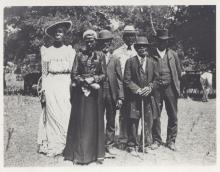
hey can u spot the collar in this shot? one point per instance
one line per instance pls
(107, 55)
(124, 46)
(140, 58)
(161, 53)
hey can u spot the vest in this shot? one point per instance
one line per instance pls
(165, 73)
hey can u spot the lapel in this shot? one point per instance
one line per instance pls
(103, 62)
(155, 54)
(110, 59)
(148, 67)
(171, 59)
(108, 65)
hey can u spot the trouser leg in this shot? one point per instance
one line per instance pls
(123, 124)
(148, 124)
(133, 132)
(110, 121)
(170, 99)
(156, 128)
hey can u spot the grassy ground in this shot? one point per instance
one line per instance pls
(196, 141)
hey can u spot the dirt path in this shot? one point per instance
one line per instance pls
(196, 141)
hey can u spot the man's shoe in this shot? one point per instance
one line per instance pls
(155, 145)
(109, 153)
(99, 162)
(141, 150)
(122, 146)
(171, 146)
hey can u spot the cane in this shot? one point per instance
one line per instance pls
(142, 117)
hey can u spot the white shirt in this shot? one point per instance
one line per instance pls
(161, 53)
(107, 57)
(123, 54)
(144, 64)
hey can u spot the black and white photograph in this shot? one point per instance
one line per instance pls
(109, 85)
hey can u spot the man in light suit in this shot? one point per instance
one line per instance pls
(113, 86)
(140, 79)
(123, 53)
(169, 88)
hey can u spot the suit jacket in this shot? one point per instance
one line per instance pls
(114, 75)
(174, 65)
(133, 80)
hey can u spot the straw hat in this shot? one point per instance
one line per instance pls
(52, 28)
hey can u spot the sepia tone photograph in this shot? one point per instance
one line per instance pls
(110, 86)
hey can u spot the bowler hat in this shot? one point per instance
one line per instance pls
(162, 34)
(105, 34)
(50, 30)
(141, 40)
(130, 29)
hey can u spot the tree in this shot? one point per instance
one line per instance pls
(195, 29)
(192, 26)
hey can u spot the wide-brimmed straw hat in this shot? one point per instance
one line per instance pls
(141, 40)
(52, 28)
(104, 35)
(162, 34)
(130, 30)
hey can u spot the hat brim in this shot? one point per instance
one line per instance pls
(146, 44)
(51, 29)
(163, 37)
(102, 39)
(130, 32)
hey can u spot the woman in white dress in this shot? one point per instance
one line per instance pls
(57, 63)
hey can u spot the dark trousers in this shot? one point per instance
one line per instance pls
(110, 107)
(123, 124)
(133, 124)
(169, 95)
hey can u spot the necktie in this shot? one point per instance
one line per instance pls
(142, 63)
(142, 73)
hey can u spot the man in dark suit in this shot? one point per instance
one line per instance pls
(113, 86)
(168, 90)
(140, 76)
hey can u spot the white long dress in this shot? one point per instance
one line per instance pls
(56, 83)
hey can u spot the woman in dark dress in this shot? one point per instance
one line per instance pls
(85, 137)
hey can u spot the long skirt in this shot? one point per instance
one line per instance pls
(85, 137)
(54, 119)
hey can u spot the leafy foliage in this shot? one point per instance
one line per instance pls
(193, 27)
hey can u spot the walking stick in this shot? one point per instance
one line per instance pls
(142, 117)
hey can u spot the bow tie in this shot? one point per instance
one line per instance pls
(129, 48)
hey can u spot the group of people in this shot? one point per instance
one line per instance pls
(80, 89)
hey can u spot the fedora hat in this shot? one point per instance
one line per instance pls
(162, 34)
(141, 40)
(52, 28)
(129, 29)
(104, 34)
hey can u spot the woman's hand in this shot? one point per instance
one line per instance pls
(119, 104)
(89, 80)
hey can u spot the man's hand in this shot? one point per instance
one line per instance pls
(183, 73)
(89, 80)
(119, 104)
(138, 91)
(146, 91)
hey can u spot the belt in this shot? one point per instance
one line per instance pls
(58, 73)
(161, 84)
